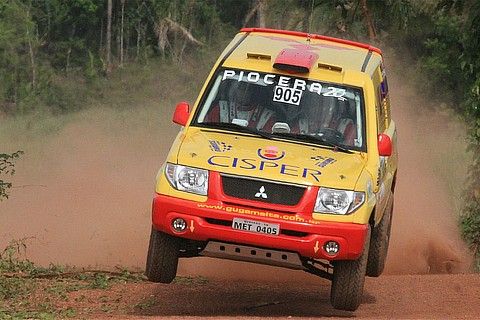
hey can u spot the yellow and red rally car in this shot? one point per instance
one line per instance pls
(287, 158)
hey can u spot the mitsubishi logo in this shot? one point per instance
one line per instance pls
(261, 193)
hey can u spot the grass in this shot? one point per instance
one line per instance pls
(143, 93)
(28, 291)
(146, 303)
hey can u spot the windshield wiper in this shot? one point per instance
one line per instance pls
(228, 125)
(313, 138)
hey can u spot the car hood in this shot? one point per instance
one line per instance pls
(280, 160)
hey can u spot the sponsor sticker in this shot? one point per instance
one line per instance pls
(285, 89)
(257, 213)
(270, 153)
(322, 162)
(219, 146)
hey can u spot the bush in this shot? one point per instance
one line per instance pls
(7, 167)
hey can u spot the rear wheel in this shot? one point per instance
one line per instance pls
(348, 280)
(162, 257)
(379, 243)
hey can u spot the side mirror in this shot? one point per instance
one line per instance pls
(182, 112)
(384, 145)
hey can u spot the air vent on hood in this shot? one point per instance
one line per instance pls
(330, 67)
(258, 56)
(294, 60)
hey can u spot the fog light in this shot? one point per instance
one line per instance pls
(331, 247)
(179, 225)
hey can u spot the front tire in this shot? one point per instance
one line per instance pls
(379, 243)
(349, 279)
(162, 257)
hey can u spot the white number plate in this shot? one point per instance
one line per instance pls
(287, 95)
(256, 226)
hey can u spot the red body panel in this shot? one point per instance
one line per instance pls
(304, 235)
(301, 61)
(315, 36)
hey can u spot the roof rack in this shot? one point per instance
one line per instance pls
(315, 36)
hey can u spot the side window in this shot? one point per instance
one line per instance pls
(385, 100)
(380, 109)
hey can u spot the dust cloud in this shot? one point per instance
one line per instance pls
(432, 167)
(83, 194)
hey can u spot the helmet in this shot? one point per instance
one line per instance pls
(241, 96)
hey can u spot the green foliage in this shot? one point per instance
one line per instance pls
(7, 315)
(7, 167)
(17, 42)
(443, 38)
(450, 59)
(470, 64)
(470, 224)
(45, 43)
(442, 47)
(146, 303)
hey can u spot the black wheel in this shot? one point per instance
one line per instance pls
(379, 243)
(162, 257)
(348, 280)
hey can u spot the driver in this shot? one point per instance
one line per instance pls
(303, 119)
(346, 125)
(336, 116)
(296, 118)
(243, 105)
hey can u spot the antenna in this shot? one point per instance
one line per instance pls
(311, 17)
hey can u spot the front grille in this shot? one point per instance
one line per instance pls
(262, 190)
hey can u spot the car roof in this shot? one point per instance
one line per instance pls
(334, 54)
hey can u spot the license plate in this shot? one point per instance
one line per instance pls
(256, 226)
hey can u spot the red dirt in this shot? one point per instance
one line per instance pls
(387, 297)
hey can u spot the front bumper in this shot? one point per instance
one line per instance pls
(212, 220)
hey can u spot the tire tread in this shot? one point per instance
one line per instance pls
(348, 281)
(162, 257)
(379, 243)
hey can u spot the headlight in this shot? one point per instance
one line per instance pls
(336, 201)
(187, 179)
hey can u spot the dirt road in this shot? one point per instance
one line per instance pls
(387, 297)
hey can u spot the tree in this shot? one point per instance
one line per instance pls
(109, 37)
(18, 48)
(470, 64)
(122, 29)
(368, 20)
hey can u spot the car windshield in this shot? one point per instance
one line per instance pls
(284, 106)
